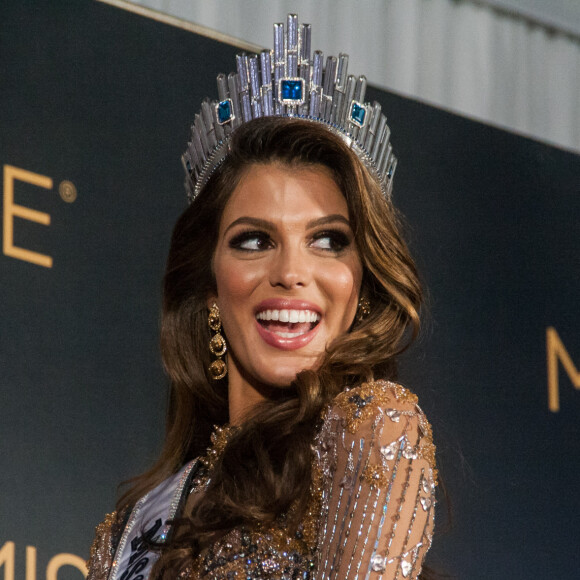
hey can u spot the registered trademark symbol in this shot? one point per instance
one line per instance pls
(67, 191)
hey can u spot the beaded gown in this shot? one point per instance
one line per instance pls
(371, 509)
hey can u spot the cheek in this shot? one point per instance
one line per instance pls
(343, 283)
(235, 280)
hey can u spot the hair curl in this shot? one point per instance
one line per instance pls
(275, 441)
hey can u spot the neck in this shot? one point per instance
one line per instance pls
(241, 402)
(243, 396)
(245, 393)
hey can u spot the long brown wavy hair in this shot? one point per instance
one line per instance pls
(275, 441)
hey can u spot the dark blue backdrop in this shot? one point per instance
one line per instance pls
(103, 98)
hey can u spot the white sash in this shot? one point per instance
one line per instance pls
(148, 522)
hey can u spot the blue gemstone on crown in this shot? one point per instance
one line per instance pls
(224, 111)
(292, 91)
(358, 113)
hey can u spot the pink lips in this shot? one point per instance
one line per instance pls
(276, 340)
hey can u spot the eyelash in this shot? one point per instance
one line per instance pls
(238, 241)
(338, 241)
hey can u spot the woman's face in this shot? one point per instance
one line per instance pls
(287, 271)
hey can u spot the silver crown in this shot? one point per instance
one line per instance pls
(287, 82)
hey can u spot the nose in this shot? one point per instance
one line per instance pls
(290, 268)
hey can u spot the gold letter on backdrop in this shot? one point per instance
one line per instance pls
(7, 560)
(556, 350)
(64, 560)
(12, 210)
(30, 563)
(7, 556)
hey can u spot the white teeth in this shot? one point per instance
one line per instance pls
(289, 334)
(291, 316)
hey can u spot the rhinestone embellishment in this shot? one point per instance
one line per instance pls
(378, 563)
(389, 451)
(270, 566)
(409, 452)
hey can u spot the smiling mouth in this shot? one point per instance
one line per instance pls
(288, 323)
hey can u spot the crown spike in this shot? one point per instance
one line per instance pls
(222, 84)
(317, 64)
(197, 145)
(378, 137)
(234, 90)
(292, 46)
(191, 159)
(255, 89)
(291, 34)
(266, 88)
(208, 123)
(361, 88)
(328, 89)
(279, 64)
(188, 164)
(202, 132)
(304, 40)
(243, 70)
(384, 159)
(315, 87)
(219, 131)
(340, 88)
(349, 95)
(391, 171)
(341, 73)
(278, 43)
(244, 78)
(363, 135)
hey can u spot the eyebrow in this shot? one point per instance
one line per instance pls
(269, 226)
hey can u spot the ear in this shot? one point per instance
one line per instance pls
(211, 299)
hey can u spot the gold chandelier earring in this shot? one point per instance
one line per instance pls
(217, 344)
(363, 308)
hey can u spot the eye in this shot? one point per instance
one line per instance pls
(252, 241)
(331, 241)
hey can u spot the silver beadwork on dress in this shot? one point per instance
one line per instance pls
(289, 81)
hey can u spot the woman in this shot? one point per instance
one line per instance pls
(288, 294)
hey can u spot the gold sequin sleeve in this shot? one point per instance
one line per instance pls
(101, 557)
(377, 466)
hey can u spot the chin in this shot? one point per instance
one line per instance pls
(282, 380)
(283, 377)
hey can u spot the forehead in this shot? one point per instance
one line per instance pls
(285, 193)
